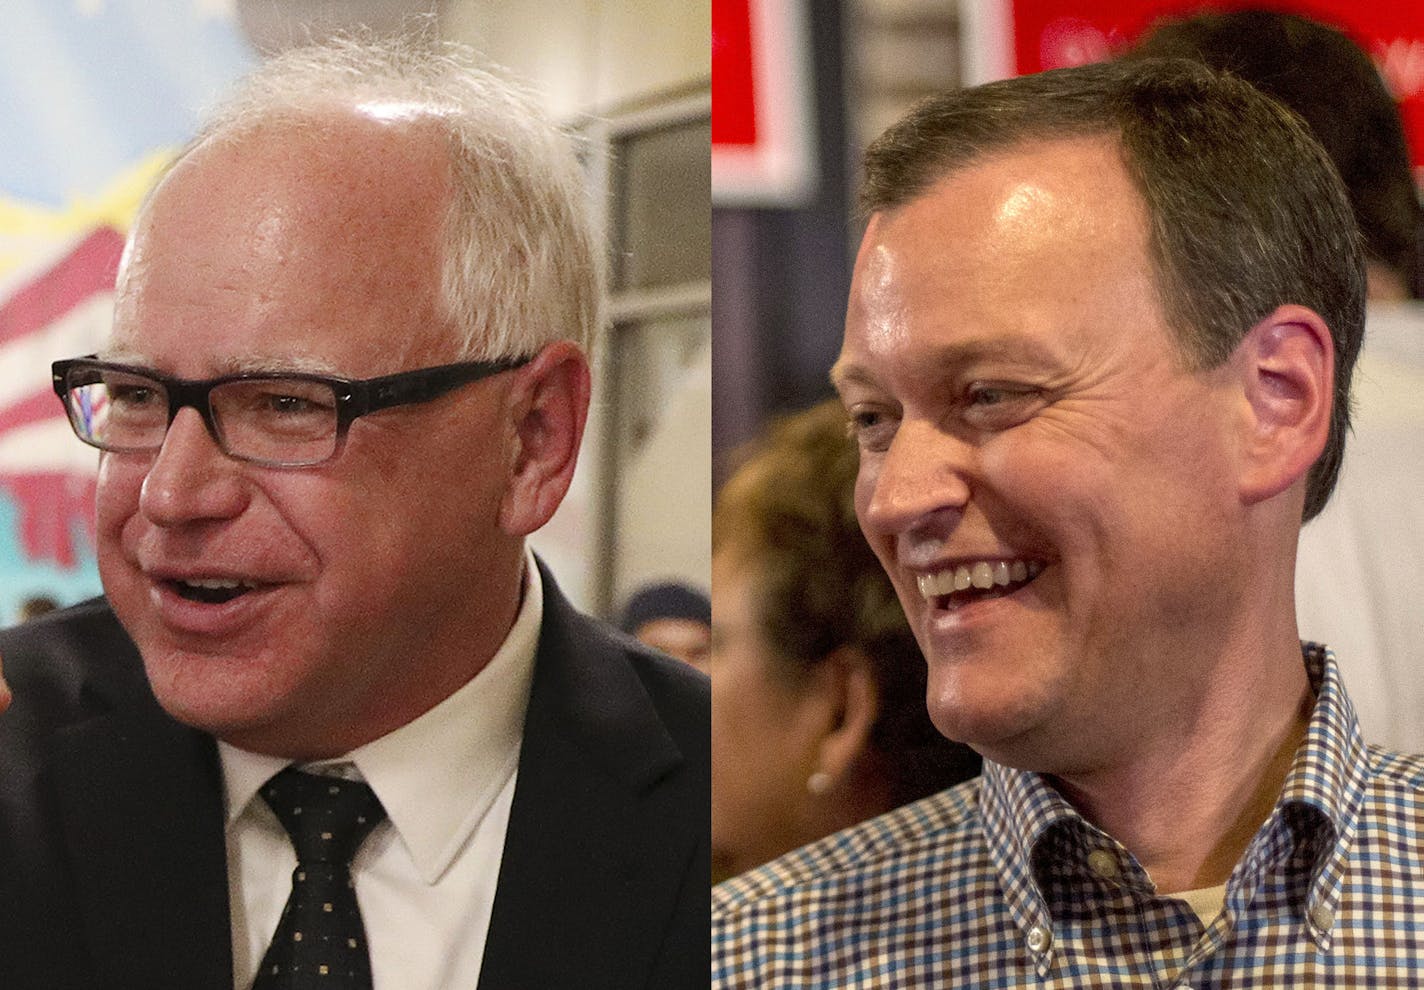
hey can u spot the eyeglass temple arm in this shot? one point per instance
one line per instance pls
(407, 388)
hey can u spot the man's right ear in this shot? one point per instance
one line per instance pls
(846, 684)
(549, 408)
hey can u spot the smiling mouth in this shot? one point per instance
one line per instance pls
(974, 581)
(210, 591)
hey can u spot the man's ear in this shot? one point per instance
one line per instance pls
(846, 684)
(1287, 363)
(548, 403)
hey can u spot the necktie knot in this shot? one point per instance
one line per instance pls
(327, 818)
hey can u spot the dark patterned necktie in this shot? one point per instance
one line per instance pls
(320, 941)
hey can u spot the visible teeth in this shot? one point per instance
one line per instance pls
(932, 585)
(214, 584)
(982, 575)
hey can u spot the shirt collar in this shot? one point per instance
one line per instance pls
(1027, 823)
(437, 776)
(1330, 769)
(1322, 797)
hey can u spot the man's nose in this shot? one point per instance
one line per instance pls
(191, 479)
(925, 473)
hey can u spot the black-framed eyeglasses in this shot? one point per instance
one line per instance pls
(276, 419)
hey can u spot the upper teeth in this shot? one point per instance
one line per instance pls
(983, 574)
(214, 583)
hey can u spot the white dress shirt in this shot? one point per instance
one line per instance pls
(425, 878)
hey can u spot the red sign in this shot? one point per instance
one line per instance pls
(762, 118)
(1025, 36)
(733, 83)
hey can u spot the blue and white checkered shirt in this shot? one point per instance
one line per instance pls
(1000, 883)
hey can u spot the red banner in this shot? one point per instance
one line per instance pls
(762, 117)
(1047, 34)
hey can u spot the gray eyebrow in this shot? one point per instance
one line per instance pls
(298, 364)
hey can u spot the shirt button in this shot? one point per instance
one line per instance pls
(1038, 938)
(1323, 917)
(1103, 863)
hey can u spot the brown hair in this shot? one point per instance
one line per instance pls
(788, 513)
(1246, 212)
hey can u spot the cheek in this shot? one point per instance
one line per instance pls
(120, 484)
(750, 753)
(729, 721)
(393, 545)
(864, 489)
(1124, 511)
(446, 478)
(866, 478)
(754, 791)
(730, 773)
(1047, 496)
(1069, 504)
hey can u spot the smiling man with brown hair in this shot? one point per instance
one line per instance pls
(1097, 359)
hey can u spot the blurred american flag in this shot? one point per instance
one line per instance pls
(97, 95)
(58, 305)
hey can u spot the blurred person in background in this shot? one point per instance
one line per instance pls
(818, 717)
(672, 617)
(36, 606)
(1358, 581)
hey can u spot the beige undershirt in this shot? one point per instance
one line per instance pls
(1206, 903)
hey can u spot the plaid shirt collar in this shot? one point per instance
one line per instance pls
(1040, 846)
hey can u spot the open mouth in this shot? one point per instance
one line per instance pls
(976, 581)
(210, 591)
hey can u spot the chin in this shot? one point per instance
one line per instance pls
(1005, 720)
(221, 695)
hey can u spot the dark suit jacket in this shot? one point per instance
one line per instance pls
(112, 862)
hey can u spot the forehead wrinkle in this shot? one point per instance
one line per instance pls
(1012, 346)
(1018, 348)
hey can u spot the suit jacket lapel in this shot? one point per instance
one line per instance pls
(590, 847)
(139, 800)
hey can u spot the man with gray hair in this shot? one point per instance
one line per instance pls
(332, 723)
(1097, 361)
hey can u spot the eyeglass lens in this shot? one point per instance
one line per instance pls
(276, 420)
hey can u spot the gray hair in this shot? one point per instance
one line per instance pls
(522, 258)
